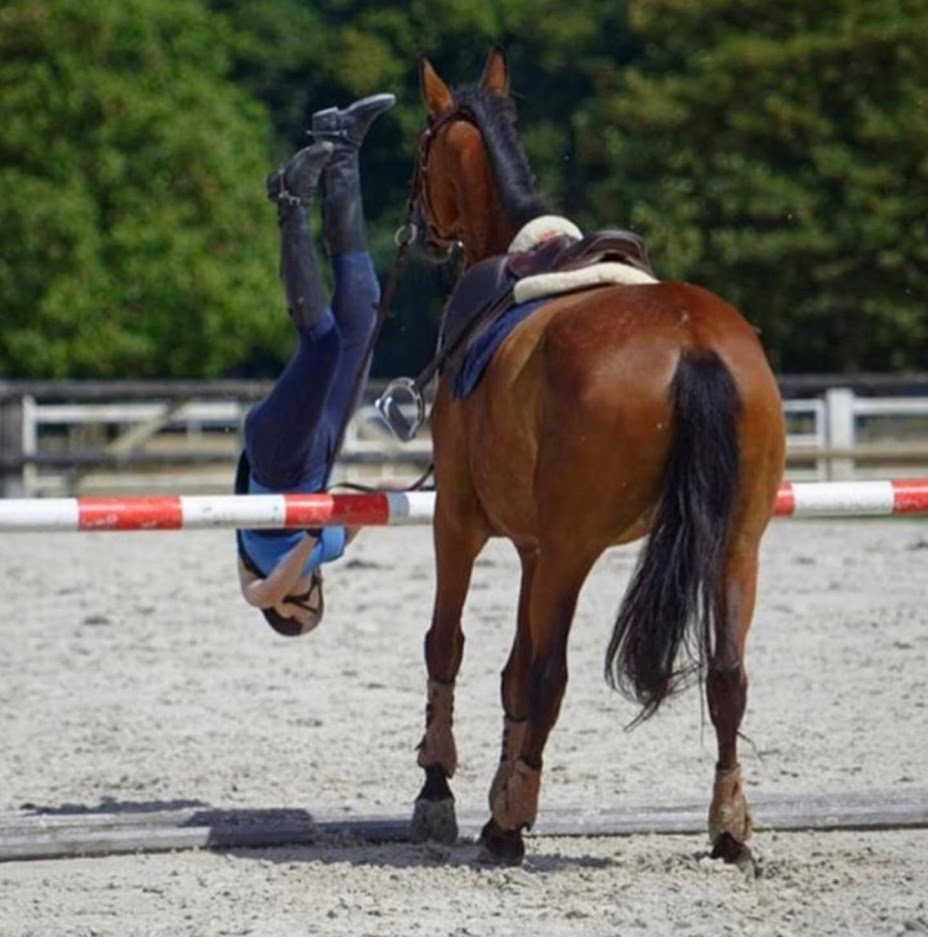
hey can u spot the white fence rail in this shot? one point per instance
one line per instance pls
(834, 439)
(69, 448)
(77, 447)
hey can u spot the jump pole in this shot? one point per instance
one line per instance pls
(191, 512)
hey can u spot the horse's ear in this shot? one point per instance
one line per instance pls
(436, 95)
(496, 73)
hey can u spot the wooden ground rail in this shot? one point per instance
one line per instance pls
(58, 835)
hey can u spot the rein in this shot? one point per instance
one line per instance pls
(388, 404)
(404, 390)
(404, 237)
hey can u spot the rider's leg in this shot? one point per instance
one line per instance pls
(282, 432)
(356, 290)
(342, 211)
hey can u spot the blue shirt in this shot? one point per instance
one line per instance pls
(266, 548)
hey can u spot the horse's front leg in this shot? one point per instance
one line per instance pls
(534, 682)
(456, 548)
(726, 689)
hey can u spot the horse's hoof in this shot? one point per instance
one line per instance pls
(499, 846)
(434, 821)
(736, 853)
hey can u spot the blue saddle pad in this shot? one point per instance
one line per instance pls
(484, 347)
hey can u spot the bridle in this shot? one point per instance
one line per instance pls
(420, 203)
(420, 212)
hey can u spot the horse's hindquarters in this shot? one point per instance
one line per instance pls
(572, 423)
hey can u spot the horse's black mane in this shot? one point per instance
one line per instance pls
(495, 117)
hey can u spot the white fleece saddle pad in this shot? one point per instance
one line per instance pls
(568, 281)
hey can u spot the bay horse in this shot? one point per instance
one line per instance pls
(608, 415)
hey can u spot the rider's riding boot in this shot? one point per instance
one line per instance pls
(293, 188)
(342, 212)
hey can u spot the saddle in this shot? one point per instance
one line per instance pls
(487, 292)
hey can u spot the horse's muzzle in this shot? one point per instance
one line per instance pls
(427, 243)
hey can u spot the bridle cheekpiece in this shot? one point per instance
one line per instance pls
(421, 217)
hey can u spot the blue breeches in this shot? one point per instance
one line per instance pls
(291, 434)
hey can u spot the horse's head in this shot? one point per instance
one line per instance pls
(473, 188)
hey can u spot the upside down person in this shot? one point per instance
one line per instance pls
(291, 434)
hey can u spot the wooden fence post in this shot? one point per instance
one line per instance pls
(11, 445)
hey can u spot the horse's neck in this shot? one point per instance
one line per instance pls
(487, 238)
(488, 231)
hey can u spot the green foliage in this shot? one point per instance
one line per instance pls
(134, 239)
(773, 151)
(777, 154)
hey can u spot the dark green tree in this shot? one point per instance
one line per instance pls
(776, 153)
(134, 236)
(772, 151)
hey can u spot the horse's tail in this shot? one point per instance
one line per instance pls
(674, 597)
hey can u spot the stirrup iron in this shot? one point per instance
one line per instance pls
(400, 392)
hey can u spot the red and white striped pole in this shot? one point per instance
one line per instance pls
(852, 499)
(188, 512)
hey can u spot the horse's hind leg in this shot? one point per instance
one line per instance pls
(726, 690)
(533, 684)
(513, 683)
(456, 548)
